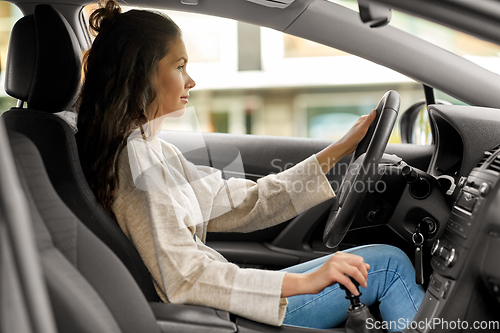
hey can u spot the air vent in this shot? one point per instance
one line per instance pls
(494, 165)
(273, 3)
(486, 155)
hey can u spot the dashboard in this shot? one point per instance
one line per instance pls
(465, 283)
(462, 133)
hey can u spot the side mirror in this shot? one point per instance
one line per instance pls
(373, 14)
(415, 125)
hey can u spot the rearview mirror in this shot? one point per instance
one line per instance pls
(373, 14)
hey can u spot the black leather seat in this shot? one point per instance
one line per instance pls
(43, 69)
(89, 288)
(25, 305)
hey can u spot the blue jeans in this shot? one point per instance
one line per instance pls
(391, 281)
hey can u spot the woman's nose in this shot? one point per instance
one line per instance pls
(190, 83)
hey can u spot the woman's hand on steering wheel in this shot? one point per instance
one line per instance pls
(357, 132)
(362, 170)
(347, 144)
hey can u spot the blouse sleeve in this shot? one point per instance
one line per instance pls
(242, 205)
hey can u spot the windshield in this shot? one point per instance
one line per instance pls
(485, 54)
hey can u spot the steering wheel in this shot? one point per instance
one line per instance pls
(362, 171)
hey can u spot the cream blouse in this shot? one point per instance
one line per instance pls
(166, 204)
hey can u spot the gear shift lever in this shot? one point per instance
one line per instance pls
(355, 302)
(358, 313)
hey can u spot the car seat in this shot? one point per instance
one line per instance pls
(24, 301)
(43, 69)
(89, 288)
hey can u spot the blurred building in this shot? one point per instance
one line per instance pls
(260, 81)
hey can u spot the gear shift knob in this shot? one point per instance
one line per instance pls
(355, 302)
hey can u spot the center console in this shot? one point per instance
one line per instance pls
(451, 253)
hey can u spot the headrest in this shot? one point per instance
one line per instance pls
(44, 61)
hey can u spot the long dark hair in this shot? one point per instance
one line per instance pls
(119, 71)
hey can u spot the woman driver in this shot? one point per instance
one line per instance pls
(136, 73)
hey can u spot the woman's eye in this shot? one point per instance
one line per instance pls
(180, 68)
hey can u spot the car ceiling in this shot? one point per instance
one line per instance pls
(339, 27)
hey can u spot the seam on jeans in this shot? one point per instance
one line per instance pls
(313, 300)
(402, 281)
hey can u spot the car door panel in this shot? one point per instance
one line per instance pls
(298, 239)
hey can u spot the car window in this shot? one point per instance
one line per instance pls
(9, 14)
(254, 80)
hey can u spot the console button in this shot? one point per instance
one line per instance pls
(435, 284)
(462, 181)
(484, 189)
(436, 264)
(467, 201)
(446, 289)
(456, 228)
(449, 256)
(435, 247)
(452, 258)
(444, 253)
